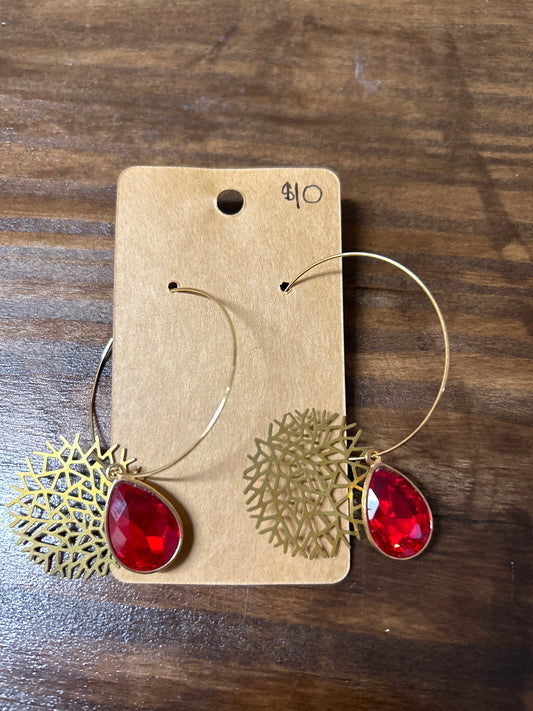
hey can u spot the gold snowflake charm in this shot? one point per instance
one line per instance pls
(58, 513)
(299, 485)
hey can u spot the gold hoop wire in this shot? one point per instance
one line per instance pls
(108, 350)
(430, 296)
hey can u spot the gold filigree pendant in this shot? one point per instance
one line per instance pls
(301, 483)
(85, 511)
(311, 486)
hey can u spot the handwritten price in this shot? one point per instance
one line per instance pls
(311, 194)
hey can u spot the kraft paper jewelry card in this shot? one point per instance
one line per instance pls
(173, 351)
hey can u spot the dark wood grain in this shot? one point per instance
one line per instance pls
(424, 111)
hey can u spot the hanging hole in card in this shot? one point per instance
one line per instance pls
(230, 202)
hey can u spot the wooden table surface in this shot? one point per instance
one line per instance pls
(424, 110)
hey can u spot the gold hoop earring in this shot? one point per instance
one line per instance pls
(89, 508)
(311, 485)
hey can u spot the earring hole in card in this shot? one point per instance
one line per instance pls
(230, 202)
(283, 286)
(172, 285)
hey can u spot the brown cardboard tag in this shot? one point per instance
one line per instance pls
(172, 351)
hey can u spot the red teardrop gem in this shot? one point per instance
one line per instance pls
(398, 517)
(142, 530)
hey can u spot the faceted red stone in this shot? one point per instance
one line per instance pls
(142, 530)
(398, 517)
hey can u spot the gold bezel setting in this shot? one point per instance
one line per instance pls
(364, 513)
(168, 504)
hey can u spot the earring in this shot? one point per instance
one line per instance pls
(311, 484)
(91, 508)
